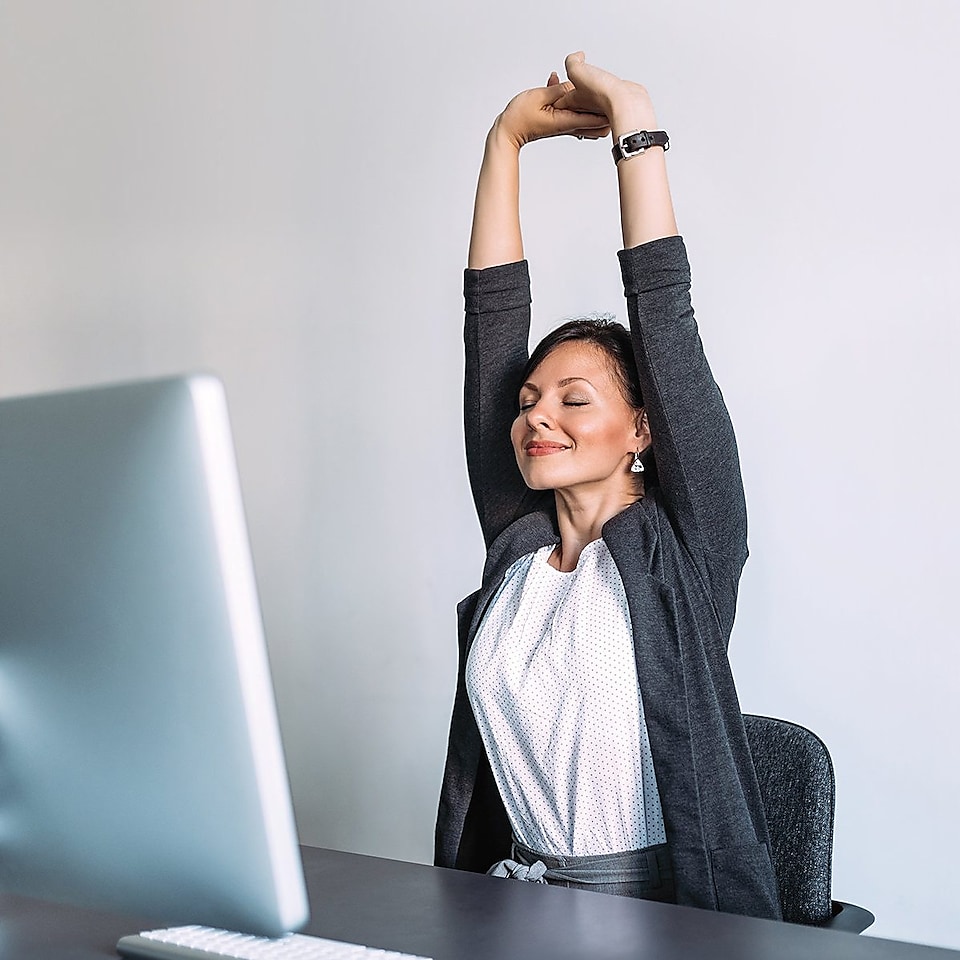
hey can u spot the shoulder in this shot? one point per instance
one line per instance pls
(638, 536)
(645, 541)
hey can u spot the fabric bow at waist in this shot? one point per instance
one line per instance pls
(625, 867)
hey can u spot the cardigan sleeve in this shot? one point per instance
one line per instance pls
(693, 441)
(496, 332)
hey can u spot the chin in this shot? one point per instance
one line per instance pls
(535, 480)
(547, 480)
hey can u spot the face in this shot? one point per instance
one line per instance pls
(575, 428)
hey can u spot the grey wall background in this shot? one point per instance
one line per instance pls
(281, 192)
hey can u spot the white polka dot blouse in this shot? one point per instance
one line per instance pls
(553, 684)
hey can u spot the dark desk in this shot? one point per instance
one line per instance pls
(450, 915)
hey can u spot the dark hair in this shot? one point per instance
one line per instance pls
(614, 340)
(607, 335)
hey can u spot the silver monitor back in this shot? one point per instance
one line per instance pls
(141, 767)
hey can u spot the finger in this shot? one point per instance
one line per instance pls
(586, 76)
(592, 133)
(578, 124)
(553, 79)
(579, 118)
(579, 100)
(558, 90)
(573, 62)
(593, 128)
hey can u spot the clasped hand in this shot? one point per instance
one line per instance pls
(586, 105)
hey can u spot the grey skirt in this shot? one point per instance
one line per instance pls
(646, 874)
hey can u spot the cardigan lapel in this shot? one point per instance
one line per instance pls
(529, 533)
(659, 651)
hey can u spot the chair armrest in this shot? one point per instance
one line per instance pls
(848, 917)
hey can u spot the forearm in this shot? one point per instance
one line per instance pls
(495, 238)
(646, 209)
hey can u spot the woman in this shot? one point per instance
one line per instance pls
(596, 738)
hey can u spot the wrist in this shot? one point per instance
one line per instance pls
(501, 139)
(631, 109)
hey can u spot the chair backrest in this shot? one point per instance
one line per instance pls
(795, 774)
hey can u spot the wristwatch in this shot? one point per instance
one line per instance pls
(634, 143)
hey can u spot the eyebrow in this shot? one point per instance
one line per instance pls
(560, 383)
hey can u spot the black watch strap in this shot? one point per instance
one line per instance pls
(634, 143)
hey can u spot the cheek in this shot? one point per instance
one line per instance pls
(516, 432)
(607, 432)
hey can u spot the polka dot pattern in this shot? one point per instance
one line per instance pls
(553, 683)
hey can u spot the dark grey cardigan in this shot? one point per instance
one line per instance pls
(679, 551)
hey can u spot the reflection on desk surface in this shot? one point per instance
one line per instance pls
(452, 915)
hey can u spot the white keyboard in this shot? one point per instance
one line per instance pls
(207, 943)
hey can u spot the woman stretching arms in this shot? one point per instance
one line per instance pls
(596, 739)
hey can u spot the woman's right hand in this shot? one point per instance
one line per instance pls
(532, 115)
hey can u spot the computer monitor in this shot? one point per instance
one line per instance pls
(141, 767)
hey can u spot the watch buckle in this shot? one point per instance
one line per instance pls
(634, 152)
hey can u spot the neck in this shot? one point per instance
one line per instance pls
(581, 516)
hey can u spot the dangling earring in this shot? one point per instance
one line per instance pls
(637, 465)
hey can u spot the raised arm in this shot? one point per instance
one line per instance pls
(693, 438)
(646, 210)
(497, 299)
(531, 115)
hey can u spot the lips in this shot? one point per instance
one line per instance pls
(543, 448)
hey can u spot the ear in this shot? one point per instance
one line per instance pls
(642, 428)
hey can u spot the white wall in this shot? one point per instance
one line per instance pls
(281, 192)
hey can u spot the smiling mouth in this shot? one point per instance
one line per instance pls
(537, 449)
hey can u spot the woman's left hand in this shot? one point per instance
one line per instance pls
(598, 91)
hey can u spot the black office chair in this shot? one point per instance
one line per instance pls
(797, 789)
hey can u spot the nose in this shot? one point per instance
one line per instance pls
(538, 416)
